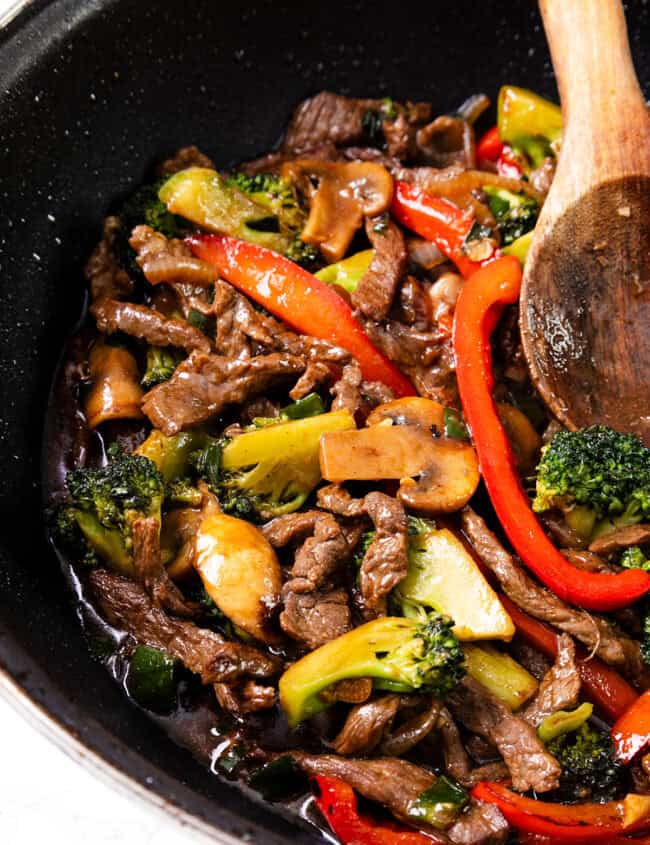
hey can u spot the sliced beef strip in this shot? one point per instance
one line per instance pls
(150, 571)
(336, 499)
(152, 326)
(317, 374)
(127, 607)
(290, 528)
(375, 292)
(185, 157)
(622, 538)
(205, 384)
(353, 394)
(425, 356)
(412, 731)
(530, 765)
(315, 608)
(415, 304)
(445, 142)
(168, 261)
(596, 632)
(587, 561)
(102, 271)
(385, 563)
(366, 725)
(272, 162)
(457, 761)
(316, 617)
(560, 687)
(531, 659)
(479, 824)
(390, 781)
(327, 117)
(249, 697)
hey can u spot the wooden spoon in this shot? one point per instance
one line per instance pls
(585, 302)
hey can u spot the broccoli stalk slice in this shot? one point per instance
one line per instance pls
(272, 470)
(412, 654)
(262, 209)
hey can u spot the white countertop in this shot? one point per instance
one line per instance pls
(49, 797)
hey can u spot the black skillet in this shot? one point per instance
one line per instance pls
(91, 93)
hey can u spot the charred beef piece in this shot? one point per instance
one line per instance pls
(480, 824)
(560, 687)
(622, 538)
(205, 384)
(102, 271)
(139, 321)
(392, 782)
(353, 394)
(530, 765)
(376, 289)
(185, 157)
(126, 606)
(150, 571)
(385, 563)
(315, 608)
(326, 118)
(595, 632)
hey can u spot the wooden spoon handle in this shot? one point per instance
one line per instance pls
(607, 128)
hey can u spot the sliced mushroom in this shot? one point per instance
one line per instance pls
(345, 193)
(436, 474)
(240, 572)
(412, 410)
(525, 441)
(115, 392)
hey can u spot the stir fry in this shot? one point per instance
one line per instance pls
(322, 512)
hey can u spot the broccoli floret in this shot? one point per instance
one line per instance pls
(598, 477)
(145, 207)
(107, 500)
(397, 653)
(182, 493)
(589, 771)
(278, 196)
(515, 214)
(634, 558)
(161, 363)
(67, 534)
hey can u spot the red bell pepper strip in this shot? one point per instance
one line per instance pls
(298, 298)
(538, 839)
(437, 220)
(568, 823)
(508, 164)
(631, 733)
(338, 803)
(602, 685)
(489, 146)
(479, 306)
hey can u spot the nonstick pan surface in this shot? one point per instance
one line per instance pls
(92, 92)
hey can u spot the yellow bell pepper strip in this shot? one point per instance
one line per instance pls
(300, 299)
(438, 220)
(347, 273)
(479, 306)
(567, 823)
(528, 122)
(338, 803)
(520, 247)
